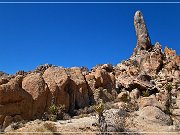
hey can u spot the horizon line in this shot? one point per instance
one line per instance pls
(29, 2)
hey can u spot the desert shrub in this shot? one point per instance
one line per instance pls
(145, 93)
(53, 109)
(41, 130)
(52, 117)
(16, 125)
(57, 112)
(168, 87)
(50, 126)
(66, 116)
(61, 112)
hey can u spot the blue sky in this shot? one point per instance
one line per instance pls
(79, 34)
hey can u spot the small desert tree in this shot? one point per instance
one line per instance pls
(168, 105)
(99, 108)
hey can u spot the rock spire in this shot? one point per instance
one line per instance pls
(143, 41)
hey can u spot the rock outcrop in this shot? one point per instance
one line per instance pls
(142, 78)
(35, 85)
(14, 100)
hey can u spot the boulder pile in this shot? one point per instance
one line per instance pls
(144, 77)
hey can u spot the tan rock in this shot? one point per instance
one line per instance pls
(57, 79)
(104, 79)
(7, 121)
(150, 101)
(169, 52)
(15, 100)
(177, 61)
(35, 85)
(154, 114)
(134, 94)
(3, 81)
(80, 87)
(123, 96)
(151, 62)
(176, 112)
(143, 41)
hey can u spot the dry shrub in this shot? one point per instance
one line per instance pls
(50, 126)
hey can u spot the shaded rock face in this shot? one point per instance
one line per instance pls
(80, 88)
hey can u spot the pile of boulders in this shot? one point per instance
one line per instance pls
(141, 80)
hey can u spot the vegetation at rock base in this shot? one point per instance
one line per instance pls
(57, 112)
(145, 93)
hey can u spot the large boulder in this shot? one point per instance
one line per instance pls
(14, 100)
(169, 53)
(154, 114)
(152, 62)
(79, 86)
(103, 76)
(150, 101)
(68, 86)
(114, 120)
(57, 79)
(35, 85)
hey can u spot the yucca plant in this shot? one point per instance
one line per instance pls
(99, 108)
(168, 105)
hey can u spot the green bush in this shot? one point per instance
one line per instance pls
(56, 112)
(53, 109)
(145, 93)
(168, 87)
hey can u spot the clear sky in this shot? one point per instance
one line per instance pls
(79, 34)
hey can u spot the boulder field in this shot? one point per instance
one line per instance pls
(28, 95)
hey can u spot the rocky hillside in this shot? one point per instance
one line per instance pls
(150, 78)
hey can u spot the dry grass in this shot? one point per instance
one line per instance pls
(35, 128)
